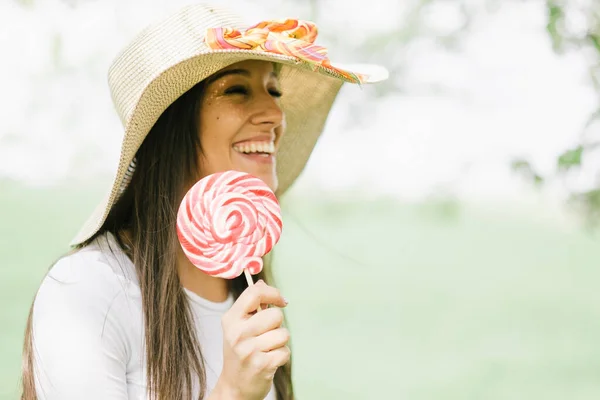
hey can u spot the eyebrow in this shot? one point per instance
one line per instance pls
(228, 72)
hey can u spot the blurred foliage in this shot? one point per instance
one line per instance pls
(524, 169)
(570, 158)
(571, 25)
(574, 26)
(588, 203)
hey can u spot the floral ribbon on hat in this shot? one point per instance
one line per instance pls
(290, 37)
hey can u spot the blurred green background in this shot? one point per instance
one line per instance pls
(431, 300)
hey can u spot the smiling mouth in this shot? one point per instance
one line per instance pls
(264, 149)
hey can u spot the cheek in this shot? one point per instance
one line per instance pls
(215, 143)
(210, 126)
(220, 123)
(224, 131)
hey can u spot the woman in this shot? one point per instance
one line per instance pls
(125, 315)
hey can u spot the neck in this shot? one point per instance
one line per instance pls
(206, 286)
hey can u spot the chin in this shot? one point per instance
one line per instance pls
(271, 182)
(268, 177)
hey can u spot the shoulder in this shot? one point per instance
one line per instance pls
(91, 293)
(85, 325)
(93, 274)
(102, 264)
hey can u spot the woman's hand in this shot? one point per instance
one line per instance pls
(254, 344)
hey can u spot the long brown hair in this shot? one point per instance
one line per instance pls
(166, 164)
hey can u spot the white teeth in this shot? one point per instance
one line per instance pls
(255, 147)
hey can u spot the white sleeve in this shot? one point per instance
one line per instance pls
(80, 340)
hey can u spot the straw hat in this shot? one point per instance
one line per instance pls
(171, 56)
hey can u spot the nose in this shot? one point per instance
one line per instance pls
(268, 111)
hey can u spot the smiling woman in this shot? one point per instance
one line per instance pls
(241, 121)
(125, 315)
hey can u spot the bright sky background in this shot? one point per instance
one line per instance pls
(506, 94)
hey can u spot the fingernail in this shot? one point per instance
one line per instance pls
(260, 281)
(285, 301)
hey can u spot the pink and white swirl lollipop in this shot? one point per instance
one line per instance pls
(226, 222)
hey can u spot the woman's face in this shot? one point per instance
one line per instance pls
(241, 121)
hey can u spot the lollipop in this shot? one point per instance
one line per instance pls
(226, 222)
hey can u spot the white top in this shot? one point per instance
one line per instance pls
(88, 329)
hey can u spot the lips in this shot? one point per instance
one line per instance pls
(260, 158)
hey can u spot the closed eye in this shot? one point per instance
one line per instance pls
(238, 89)
(275, 93)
